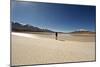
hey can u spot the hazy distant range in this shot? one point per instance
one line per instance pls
(18, 27)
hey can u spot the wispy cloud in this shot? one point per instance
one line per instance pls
(82, 29)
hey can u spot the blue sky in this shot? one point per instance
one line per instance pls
(56, 17)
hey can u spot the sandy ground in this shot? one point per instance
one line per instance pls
(43, 48)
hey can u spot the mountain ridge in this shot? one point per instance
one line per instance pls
(18, 27)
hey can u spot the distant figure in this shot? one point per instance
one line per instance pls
(56, 35)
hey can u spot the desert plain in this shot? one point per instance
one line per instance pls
(43, 48)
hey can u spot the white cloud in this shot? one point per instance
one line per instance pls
(82, 29)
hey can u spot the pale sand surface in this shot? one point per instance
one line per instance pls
(42, 49)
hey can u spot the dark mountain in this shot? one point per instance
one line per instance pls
(82, 32)
(27, 28)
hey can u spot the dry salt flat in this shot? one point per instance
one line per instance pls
(42, 49)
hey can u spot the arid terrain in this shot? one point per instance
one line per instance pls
(42, 48)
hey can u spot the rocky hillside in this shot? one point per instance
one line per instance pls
(27, 28)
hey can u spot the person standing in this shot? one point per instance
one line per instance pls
(56, 35)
